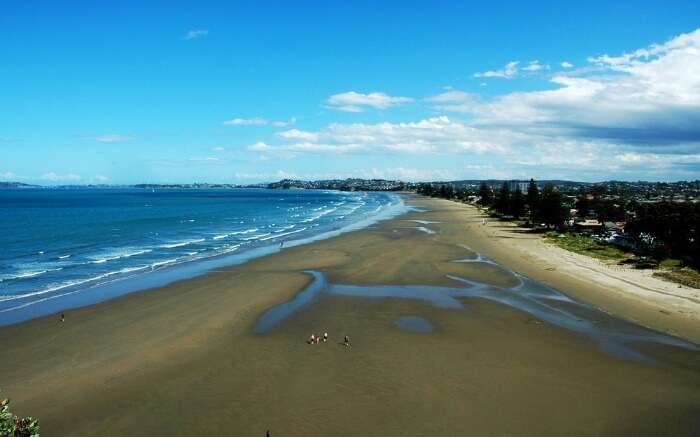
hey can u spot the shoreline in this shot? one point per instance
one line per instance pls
(184, 358)
(183, 271)
(633, 295)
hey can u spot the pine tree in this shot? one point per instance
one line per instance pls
(517, 203)
(551, 207)
(503, 199)
(485, 195)
(533, 200)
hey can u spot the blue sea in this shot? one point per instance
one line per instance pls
(63, 248)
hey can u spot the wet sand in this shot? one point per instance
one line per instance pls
(186, 359)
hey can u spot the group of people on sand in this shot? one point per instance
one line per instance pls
(316, 339)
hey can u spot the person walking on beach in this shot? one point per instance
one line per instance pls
(63, 317)
(325, 337)
(346, 342)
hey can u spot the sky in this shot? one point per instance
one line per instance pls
(245, 92)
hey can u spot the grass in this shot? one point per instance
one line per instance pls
(585, 245)
(685, 276)
(669, 269)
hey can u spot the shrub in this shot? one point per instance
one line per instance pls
(13, 426)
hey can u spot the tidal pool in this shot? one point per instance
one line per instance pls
(612, 335)
(414, 324)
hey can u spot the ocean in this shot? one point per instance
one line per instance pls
(64, 248)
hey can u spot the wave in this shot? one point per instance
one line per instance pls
(229, 249)
(247, 231)
(319, 215)
(222, 236)
(282, 235)
(162, 263)
(115, 255)
(271, 229)
(256, 237)
(180, 243)
(5, 298)
(27, 274)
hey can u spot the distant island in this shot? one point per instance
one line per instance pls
(16, 185)
(689, 190)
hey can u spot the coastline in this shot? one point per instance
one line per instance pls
(183, 358)
(631, 294)
(144, 281)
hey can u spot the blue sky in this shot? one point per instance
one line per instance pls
(256, 91)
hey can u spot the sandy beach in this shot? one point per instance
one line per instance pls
(624, 291)
(184, 359)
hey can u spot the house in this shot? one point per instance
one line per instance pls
(588, 226)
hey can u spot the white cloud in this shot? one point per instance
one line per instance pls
(194, 34)
(206, 160)
(649, 97)
(259, 121)
(513, 69)
(453, 101)
(9, 176)
(55, 177)
(635, 113)
(450, 96)
(256, 121)
(429, 136)
(113, 138)
(566, 64)
(510, 70)
(218, 149)
(295, 134)
(534, 66)
(357, 102)
(289, 122)
(260, 147)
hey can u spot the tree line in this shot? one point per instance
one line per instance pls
(661, 229)
(539, 206)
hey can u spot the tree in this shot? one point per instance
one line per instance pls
(503, 199)
(667, 228)
(517, 203)
(485, 195)
(607, 210)
(533, 200)
(13, 426)
(583, 206)
(551, 207)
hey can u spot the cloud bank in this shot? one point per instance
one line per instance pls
(635, 112)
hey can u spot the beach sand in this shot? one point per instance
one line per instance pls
(183, 359)
(627, 292)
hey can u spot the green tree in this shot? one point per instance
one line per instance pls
(485, 195)
(13, 426)
(503, 199)
(583, 206)
(551, 207)
(668, 229)
(533, 200)
(517, 203)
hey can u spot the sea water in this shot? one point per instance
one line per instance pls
(61, 248)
